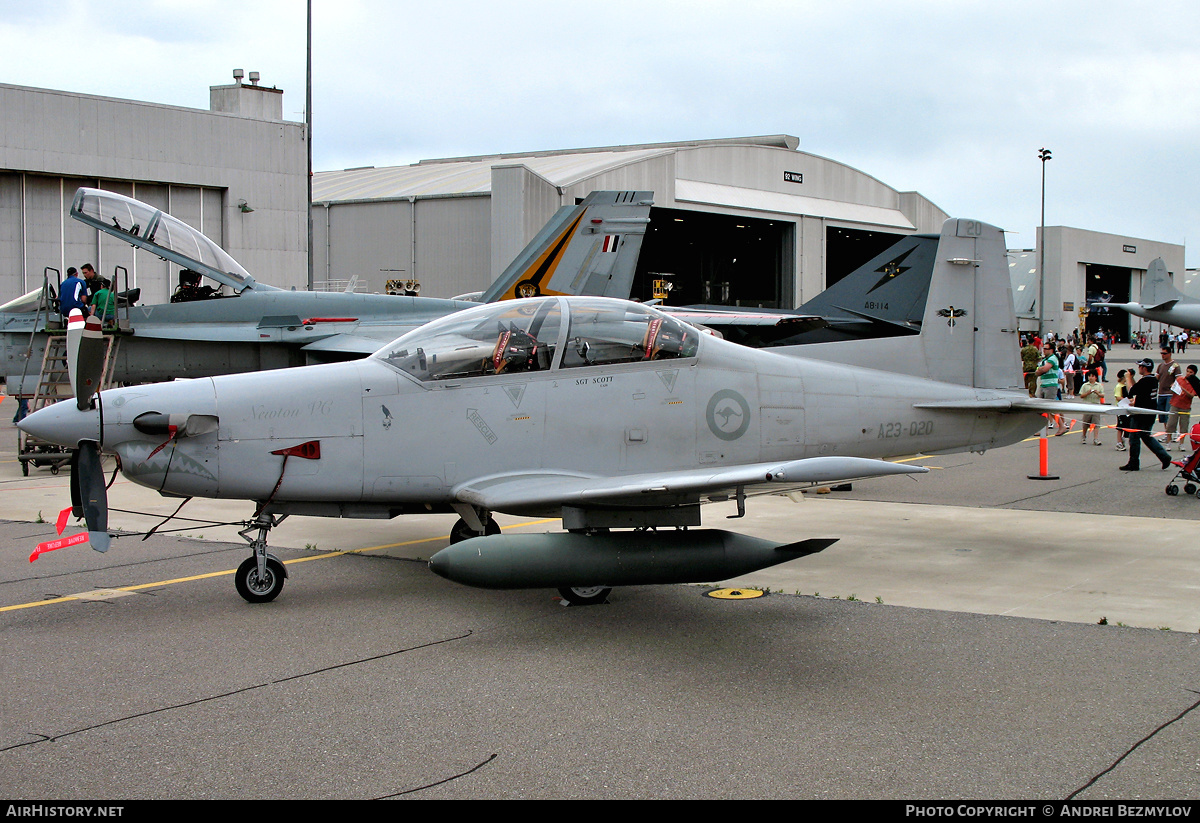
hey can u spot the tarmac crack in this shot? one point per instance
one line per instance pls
(1048, 492)
(1135, 747)
(45, 738)
(474, 768)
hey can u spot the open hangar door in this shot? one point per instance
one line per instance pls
(717, 259)
(1107, 284)
(847, 249)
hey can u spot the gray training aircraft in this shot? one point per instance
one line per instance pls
(1161, 301)
(606, 413)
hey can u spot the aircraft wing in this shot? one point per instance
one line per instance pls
(210, 332)
(348, 344)
(719, 317)
(532, 491)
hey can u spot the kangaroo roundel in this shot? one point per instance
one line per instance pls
(728, 415)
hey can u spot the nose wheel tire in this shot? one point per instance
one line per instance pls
(586, 595)
(257, 588)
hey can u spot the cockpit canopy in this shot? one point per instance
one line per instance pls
(530, 335)
(147, 227)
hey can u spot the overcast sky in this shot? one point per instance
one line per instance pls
(949, 99)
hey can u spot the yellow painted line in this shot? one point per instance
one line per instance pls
(139, 586)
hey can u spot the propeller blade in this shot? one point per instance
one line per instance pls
(92, 493)
(76, 498)
(75, 326)
(90, 367)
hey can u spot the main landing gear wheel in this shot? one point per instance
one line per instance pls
(256, 588)
(586, 595)
(462, 531)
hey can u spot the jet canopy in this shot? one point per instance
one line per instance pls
(144, 226)
(539, 334)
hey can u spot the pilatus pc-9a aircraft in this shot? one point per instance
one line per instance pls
(612, 415)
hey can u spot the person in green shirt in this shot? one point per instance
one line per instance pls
(104, 303)
(1047, 375)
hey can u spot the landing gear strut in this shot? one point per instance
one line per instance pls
(260, 577)
(472, 522)
(462, 531)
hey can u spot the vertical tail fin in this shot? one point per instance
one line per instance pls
(969, 328)
(591, 249)
(1157, 288)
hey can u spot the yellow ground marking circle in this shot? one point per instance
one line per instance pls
(736, 594)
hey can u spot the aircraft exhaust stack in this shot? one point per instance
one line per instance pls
(535, 561)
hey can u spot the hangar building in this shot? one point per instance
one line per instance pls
(750, 221)
(742, 221)
(236, 171)
(1086, 267)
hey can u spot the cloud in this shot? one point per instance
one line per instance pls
(948, 99)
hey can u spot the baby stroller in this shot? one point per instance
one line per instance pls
(1189, 468)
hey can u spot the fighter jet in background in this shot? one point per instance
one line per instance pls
(1161, 301)
(606, 413)
(232, 323)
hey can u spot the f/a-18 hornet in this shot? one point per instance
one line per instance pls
(222, 321)
(609, 414)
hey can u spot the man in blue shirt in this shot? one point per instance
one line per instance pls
(72, 294)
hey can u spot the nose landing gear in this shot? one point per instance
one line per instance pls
(260, 577)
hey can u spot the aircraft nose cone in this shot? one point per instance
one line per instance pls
(63, 423)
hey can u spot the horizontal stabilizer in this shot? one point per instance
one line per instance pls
(905, 326)
(1019, 404)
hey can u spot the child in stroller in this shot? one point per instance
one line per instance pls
(1189, 468)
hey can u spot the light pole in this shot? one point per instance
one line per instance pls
(1044, 155)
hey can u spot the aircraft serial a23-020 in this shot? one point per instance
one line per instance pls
(606, 413)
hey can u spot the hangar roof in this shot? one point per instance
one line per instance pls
(464, 176)
(745, 180)
(473, 175)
